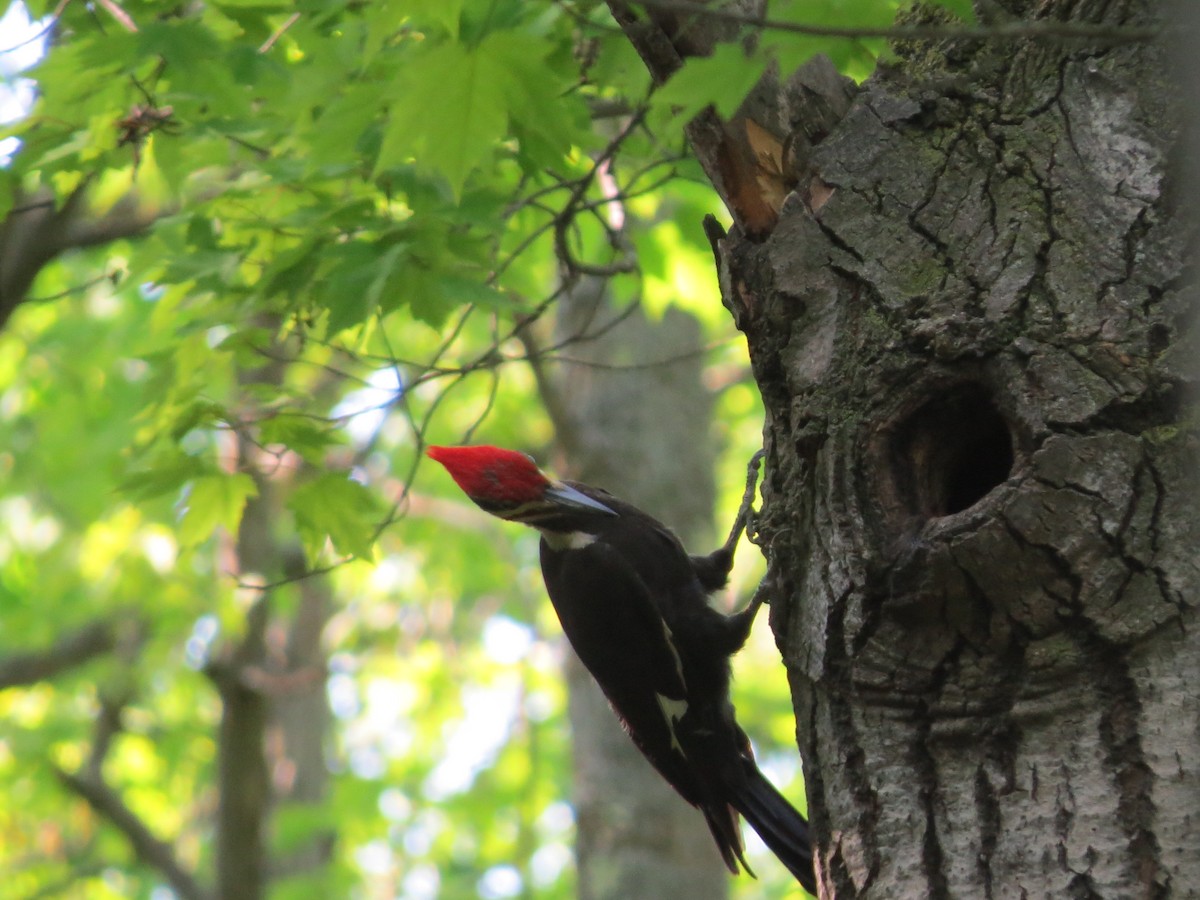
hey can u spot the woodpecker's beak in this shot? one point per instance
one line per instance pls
(568, 496)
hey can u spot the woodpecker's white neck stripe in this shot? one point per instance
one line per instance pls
(566, 540)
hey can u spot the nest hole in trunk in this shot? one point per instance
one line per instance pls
(949, 453)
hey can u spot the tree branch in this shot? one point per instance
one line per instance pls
(35, 232)
(88, 783)
(73, 650)
(1022, 30)
(149, 849)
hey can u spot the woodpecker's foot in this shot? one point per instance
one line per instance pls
(750, 513)
(746, 513)
(713, 569)
(759, 598)
(740, 623)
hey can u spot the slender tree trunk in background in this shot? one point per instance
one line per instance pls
(272, 685)
(301, 719)
(243, 782)
(642, 430)
(975, 343)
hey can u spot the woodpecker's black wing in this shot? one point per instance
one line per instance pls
(611, 621)
(634, 606)
(607, 615)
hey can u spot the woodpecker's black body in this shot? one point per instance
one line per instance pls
(634, 606)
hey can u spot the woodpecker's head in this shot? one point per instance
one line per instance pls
(508, 484)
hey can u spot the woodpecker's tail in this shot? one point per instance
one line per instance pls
(782, 829)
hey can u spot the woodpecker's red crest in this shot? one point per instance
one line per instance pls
(492, 474)
(508, 484)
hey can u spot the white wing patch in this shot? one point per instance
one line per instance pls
(673, 711)
(674, 652)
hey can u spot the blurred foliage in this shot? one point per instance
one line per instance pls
(358, 206)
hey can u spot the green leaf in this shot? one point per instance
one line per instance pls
(162, 476)
(195, 414)
(343, 122)
(336, 507)
(215, 501)
(299, 434)
(723, 80)
(293, 270)
(193, 56)
(445, 13)
(548, 119)
(449, 114)
(853, 57)
(354, 288)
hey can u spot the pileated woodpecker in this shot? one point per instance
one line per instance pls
(634, 606)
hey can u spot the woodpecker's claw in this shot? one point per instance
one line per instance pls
(741, 622)
(713, 569)
(746, 514)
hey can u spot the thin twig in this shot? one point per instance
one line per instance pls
(123, 18)
(1024, 30)
(278, 32)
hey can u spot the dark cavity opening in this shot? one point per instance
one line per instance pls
(949, 453)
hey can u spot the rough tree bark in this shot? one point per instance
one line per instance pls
(973, 334)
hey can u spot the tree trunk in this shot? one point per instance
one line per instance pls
(275, 716)
(974, 340)
(635, 383)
